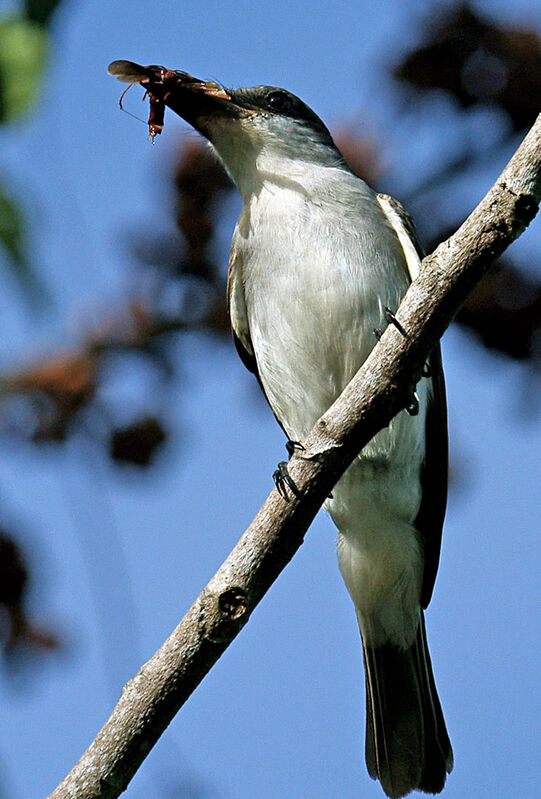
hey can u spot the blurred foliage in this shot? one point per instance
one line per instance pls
(137, 443)
(41, 10)
(478, 63)
(58, 388)
(468, 58)
(361, 155)
(51, 398)
(184, 262)
(23, 54)
(504, 310)
(16, 628)
(11, 229)
(24, 51)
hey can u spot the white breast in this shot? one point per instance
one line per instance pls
(317, 276)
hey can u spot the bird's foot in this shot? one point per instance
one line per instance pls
(282, 478)
(283, 481)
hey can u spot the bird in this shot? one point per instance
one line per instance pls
(319, 262)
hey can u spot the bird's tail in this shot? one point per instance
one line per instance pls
(407, 746)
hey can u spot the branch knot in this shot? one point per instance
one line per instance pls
(224, 613)
(233, 602)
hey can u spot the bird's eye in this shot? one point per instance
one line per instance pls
(278, 101)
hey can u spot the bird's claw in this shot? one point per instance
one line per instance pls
(283, 481)
(291, 446)
(392, 320)
(413, 407)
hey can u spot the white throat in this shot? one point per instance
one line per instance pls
(263, 150)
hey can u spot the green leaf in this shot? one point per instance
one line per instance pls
(23, 52)
(41, 10)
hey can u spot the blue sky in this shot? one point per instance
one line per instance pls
(121, 556)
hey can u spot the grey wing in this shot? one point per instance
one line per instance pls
(434, 473)
(238, 313)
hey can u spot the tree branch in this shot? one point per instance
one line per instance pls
(381, 388)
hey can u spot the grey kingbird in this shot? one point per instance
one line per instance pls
(317, 260)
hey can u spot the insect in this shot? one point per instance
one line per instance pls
(131, 73)
(158, 82)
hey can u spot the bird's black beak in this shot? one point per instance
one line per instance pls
(191, 98)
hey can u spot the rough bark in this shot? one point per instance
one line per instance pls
(382, 387)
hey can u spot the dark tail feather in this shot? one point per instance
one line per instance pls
(407, 746)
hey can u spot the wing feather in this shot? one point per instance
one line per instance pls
(434, 473)
(238, 313)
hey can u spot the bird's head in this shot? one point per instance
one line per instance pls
(259, 133)
(266, 128)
